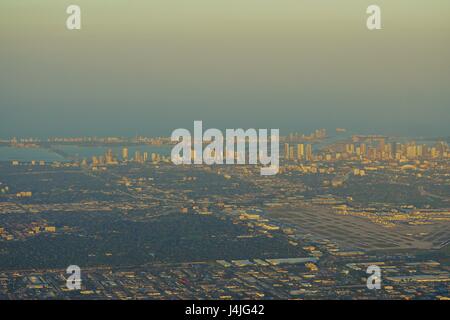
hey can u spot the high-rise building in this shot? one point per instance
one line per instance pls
(125, 154)
(411, 152)
(350, 148)
(420, 149)
(434, 152)
(300, 151)
(363, 149)
(381, 143)
(137, 156)
(309, 153)
(372, 153)
(286, 151)
(291, 153)
(109, 156)
(388, 150)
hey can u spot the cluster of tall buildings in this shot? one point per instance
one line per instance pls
(381, 150)
(377, 148)
(300, 152)
(139, 157)
(99, 140)
(368, 149)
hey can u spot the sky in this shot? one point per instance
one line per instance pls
(150, 66)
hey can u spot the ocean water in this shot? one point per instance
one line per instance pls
(28, 154)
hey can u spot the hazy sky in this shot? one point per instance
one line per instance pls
(150, 66)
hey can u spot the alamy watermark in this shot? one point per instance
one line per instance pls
(374, 280)
(373, 22)
(236, 147)
(73, 282)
